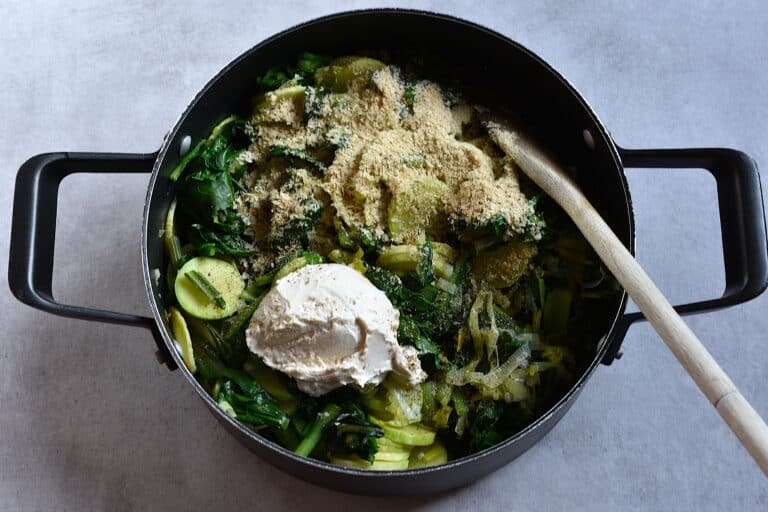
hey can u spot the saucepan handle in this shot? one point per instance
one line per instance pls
(33, 232)
(742, 223)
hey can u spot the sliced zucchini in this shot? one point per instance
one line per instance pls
(274, 382)
(266, 108)
(503, 266)
(376, 404)
(405, 258)
(445, 251)
(416, 213)
(391, 451)
(341, 72)
(198, 327)
(355, 462)
(409, 435)
(222, 275)
(172, 244)
(290, 92)
(181, 335)
(391, 456)
(426, 456)
(399, 258)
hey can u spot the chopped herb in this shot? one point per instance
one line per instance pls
(410, 94)
(205, 286)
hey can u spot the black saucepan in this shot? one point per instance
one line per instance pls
(484, 63)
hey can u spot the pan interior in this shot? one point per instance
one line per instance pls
(484, 66)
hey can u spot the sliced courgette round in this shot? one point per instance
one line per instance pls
(426, 456)
(172, 244)
(409, 435)
(268, 106)
(181, 335)
(290, 92)
(391, 451)
(343, 71)
(222, 275)
(416, 213)
(391, 456)
(503, 266)
(355, 462)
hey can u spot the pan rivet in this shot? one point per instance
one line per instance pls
(588, 139)
(184, 145)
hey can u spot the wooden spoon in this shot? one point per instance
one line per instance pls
(745, 422)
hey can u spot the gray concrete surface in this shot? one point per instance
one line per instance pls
(89, 421)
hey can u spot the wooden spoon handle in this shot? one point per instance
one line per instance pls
(740, 416)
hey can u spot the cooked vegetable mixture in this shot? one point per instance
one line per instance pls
(356, 162)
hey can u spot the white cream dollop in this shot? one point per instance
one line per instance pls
(327, 326)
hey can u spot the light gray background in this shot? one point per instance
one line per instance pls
(88, 420)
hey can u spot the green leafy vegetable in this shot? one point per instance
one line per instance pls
(240, 322)
(425, 272)
(273, 78)
(316, 430)
(212, 243)
(427, 313)
(297, 154)
(386, 281)
(252, 405)
(345, 241)
(410, 94)
(409, 332)
(371, 244)
(310, 62)
(250, 402)
(303, 71)
(535, 226)
(191, 155)
(498, 225)
(206, 193)
(487, 429)
(314, 97)
(351, 432)
(298, 231)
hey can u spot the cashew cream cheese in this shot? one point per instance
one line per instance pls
(327, 326)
